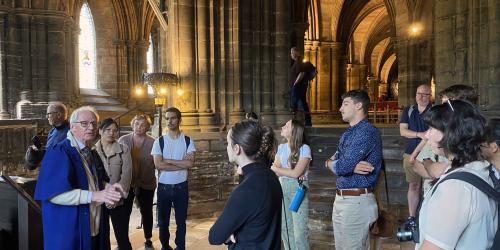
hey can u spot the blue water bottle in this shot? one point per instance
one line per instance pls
(297, 199)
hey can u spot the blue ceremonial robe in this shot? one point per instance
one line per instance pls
(68, 227)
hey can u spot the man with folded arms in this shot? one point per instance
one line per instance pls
(357, 164)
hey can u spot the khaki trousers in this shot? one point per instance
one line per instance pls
(352, 217)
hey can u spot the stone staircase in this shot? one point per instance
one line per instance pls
(108, 106)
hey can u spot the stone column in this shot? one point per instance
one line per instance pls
(4, 109)
(281, 88)
(235, 79)
(336, 56)
(363, 73)
(183, 44)
(204, 62)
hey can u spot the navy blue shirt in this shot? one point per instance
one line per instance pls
(361, 142)
(57, 134)
(415, 123)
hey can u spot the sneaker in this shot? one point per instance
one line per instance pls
(148, 245)
(410, 223)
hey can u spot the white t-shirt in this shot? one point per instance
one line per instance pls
(284, 152)
(173, 150)
(458, 215)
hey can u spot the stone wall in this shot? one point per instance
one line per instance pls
(468, 45)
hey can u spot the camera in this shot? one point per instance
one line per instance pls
(36, 141)
(408, 232)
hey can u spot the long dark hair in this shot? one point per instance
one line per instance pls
(258, 142)
(463, 127)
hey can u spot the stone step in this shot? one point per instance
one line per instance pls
(100, 101)
(93, 92)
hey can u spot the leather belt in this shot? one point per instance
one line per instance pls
(354, 191)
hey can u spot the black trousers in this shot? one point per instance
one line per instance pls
(120, 218)
(145, 199)
(298, 101)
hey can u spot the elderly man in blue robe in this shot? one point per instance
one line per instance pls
(73, 190)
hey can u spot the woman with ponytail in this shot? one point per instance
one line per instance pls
(454, 213)
(291, 163)
(251, 218)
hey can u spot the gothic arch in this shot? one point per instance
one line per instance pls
(386, 68)
(313, 14)
(373, 35)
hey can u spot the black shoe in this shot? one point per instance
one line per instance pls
(410, 223)
(148, 245)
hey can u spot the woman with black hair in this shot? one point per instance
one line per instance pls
(118, 164)
(251, 218)
(454, 213)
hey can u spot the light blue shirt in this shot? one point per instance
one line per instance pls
(284, 152)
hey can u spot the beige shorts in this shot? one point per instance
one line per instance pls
(411, 176)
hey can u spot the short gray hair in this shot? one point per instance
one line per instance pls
(60, 107)
(76, 113)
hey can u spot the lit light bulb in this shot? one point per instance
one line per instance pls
(163, 91)
(139, 91)
(180, 92)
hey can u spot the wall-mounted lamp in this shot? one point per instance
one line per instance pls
(160, 83)
(415, 29)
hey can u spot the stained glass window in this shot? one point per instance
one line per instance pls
(150, 61)
(86, 49)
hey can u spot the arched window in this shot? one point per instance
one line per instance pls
(86, 49)
(150, 61)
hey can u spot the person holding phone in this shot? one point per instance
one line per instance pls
(57, 115)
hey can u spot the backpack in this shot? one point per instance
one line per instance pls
(310, 71)
(485, 188)
(186, 138)
(410, 110)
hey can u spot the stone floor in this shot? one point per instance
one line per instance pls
(197, 237)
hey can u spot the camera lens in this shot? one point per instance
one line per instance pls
(404, 235)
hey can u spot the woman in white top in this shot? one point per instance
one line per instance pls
(291, 164)
(454, 213)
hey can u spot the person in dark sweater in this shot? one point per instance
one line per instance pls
(251, 218)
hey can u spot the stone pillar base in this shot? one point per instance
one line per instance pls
(235, 117)
(276, 118)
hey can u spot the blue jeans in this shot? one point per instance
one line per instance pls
(298, 101)
(175, 195)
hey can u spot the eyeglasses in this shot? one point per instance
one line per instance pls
(50, 113)
(423, 94)
(86, 124)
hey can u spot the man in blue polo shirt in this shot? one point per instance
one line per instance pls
(413, 128)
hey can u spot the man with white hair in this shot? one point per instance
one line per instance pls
(71, 188)
(57, 116)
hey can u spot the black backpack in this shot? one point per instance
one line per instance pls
(162, 142)
(310, 71)
(485, 188)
